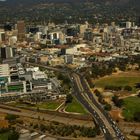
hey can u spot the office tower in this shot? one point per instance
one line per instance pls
(21, 30)
(32, 29)
(2, 36)
(68, 59)
(4, 70)
(4, 77)
(12, 40)
(72, 31)
(83, 28)
(88, 35)
(7, 27)
(6, 52)
(128, 24)
(63, 51)
(3, 53)
(113, 24)
(139, 21)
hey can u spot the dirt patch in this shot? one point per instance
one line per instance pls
(2, 116)
(4, 124)
(116, 114)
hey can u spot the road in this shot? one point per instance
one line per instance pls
(83, 93)
(47, 67)
(83, 99)
(86, 97)
(45, 116)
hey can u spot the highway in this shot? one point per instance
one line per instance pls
(85, 96)
(108, 118)
(79, 93)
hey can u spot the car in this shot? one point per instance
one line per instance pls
(104, 131)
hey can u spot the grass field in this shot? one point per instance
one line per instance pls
(76, 107)
(50, 105)
(121, 79)
(4, 136)
(131, 105)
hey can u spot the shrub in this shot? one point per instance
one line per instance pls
(11, 117)
(69, 98)
(128, 88)
(107, 107)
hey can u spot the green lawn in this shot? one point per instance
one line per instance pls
(131, 105)
(20, 104)
(4, 136)
(76, 107)
(51, 105)
(117, 81)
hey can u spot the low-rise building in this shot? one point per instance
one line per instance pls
(39, 75)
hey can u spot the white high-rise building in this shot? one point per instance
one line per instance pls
(4, 70)
(2, 36)
(128, 24)
(13, 40)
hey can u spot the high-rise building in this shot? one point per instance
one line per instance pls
(68, 59)
(88, 35)
(6, 52)
(72, 31)
(2, 36)
(4, 77)
(7, 27)
(128, 24)
(21, 30)
(4, 70)
(139, 22)
(3, 53)
(12, 40)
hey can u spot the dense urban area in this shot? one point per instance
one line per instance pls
(67, 78)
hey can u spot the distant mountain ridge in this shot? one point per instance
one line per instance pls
(65, 1)
(29, 3)
(12, 2)
(70, 10)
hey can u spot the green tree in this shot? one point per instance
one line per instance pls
(97, 92)
(42, 127)
(128, 88)
(69, 98)
(118, 102)
(137, 116)
(107, 107)
(35, 126)
(13, 135)
(11, 117)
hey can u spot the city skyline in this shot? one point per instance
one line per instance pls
(69, 70)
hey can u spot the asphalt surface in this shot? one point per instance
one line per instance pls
(116, 129)
(78, 92)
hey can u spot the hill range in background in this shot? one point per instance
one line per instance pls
(70, 10)
(120, 2)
